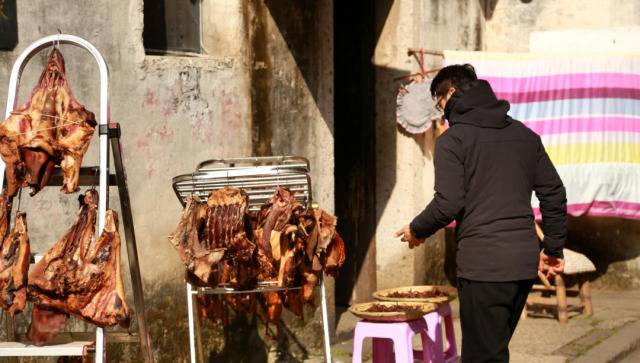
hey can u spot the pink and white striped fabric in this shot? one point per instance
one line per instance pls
(586, 108)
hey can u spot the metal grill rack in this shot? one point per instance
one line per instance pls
(109, 138)
(259, 177)
(259, 180)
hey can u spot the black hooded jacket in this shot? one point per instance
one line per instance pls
(486, 167)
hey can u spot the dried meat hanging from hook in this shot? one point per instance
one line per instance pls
(79, 276)
(51, 128)
(14, 259)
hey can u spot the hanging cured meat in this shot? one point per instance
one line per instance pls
(274, 217)
(227, 227)
(5, 214)
(283, 243)
(14, 262)
(188, 239)
(51, 128)
(80, 275)
(213, 242)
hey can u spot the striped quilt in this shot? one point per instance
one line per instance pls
(586, 108)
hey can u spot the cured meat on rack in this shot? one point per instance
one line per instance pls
(188, 239)
(14, 261)
(80, 276)
(213, 240)
(227, 226)
(51, 128)
(273, 218)
(283, 244)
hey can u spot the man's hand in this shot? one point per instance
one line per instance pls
(406, 236)
(551, 265)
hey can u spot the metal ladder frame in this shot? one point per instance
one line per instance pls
(107, 132)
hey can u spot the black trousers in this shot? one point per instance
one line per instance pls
(489, 313)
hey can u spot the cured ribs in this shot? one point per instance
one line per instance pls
(51, 128)
(14, 262)
(80, 275)
(213, 239)
(227, 226)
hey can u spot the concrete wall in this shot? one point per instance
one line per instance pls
(509, 23)
(177, 111)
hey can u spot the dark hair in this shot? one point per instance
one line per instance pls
(452, 76)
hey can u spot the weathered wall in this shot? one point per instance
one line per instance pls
(404, 165)
(510, 22)
(176, 112)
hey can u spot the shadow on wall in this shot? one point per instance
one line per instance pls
(299, 24)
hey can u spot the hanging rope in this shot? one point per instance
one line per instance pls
(69, 122)
(418, 54)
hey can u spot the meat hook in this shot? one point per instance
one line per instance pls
(56, 45)
(95, 175)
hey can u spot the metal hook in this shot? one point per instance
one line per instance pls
(95, 174)
(56, 44)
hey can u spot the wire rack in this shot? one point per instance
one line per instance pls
(258, 177)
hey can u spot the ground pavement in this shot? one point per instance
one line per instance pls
(612, 334)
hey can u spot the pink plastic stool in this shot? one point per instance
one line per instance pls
(434, 322)
(399, 333)
(387, 336)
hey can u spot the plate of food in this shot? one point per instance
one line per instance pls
(418, 294)
(391, 311)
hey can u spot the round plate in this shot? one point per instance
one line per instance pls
(451, 293)
(415, 108)
(360, 310)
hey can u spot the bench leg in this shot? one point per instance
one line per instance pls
(561, 297)
(585, 296)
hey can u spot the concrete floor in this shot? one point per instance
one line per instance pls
(545, 340)
(633, 357)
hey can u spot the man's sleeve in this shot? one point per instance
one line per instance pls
(448, 200)
(553, 204)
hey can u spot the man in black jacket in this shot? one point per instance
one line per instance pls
(486, 167)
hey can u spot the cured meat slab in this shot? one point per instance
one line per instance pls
(212, 239)
(80, 275)
(14, 262)
(51, 128)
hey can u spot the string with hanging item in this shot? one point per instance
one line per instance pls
(416, 110)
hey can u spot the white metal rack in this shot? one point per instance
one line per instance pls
(259, 177)
(107, 133)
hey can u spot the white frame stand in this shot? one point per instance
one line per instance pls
(191, 293)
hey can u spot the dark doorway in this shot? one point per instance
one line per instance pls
(355, 176)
